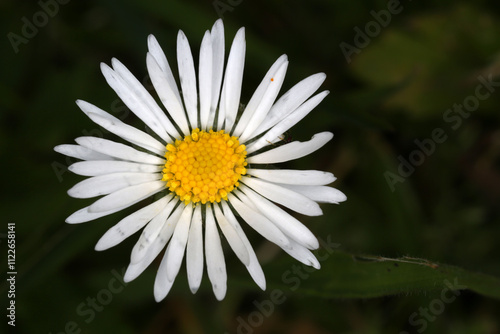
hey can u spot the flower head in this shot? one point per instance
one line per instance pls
(208, 159)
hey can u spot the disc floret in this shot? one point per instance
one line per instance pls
(204, 166)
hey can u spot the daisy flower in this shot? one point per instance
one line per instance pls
(206, 160)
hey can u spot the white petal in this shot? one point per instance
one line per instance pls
(162, 284)
(178, 243)
(285, 124)
(291, 151)
(216, 266)
(251, 204)
(194, 251)
(168, 92)
(118, 150)
(231, 89)
(125, 131)
(84, 215)
(286, 197)
(136, 268)
(100, 167)
(266, 103)
(218, 46)
(153, 230)
(321, 194)
(161, 60)
(291, 100)
(105, 184)
(144, 97)
(130, 96)
(258, 95)
(284, 221)
(130, 224)
(302, 254)
(290, 176)
(254, 268)
(80, 152)
(232, 237)
(258, 222)
(164, 83)
(125, 197)
(229, 93)
(205, 79)
(188, 78)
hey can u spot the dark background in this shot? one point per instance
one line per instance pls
(395, 89)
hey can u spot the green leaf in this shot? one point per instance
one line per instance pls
(346, 275)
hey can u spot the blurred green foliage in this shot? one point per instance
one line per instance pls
(395, 90)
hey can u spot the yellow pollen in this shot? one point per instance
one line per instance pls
(205, 166)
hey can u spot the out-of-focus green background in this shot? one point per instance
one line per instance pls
(389, 90)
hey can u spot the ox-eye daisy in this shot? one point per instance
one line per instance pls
(210, 161)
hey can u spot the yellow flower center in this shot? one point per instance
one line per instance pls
(205, 166)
